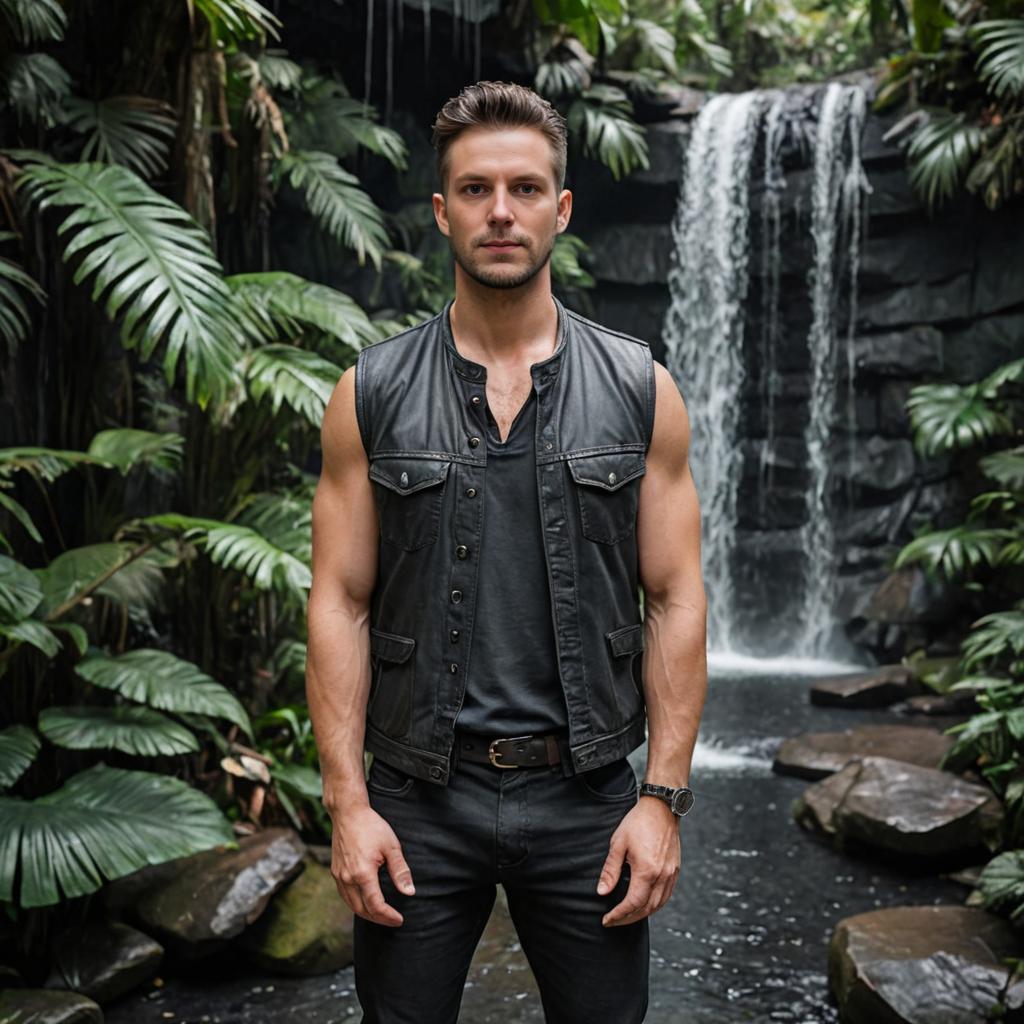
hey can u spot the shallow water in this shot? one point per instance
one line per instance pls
(744, 936)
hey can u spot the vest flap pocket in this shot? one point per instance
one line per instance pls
(608, 470)
(390, 646)
(406, 475)
(627, 639)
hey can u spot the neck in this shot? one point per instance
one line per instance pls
(495, 325)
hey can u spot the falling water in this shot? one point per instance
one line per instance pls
(704, 325)
(835, 215)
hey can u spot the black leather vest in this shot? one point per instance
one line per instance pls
(428, 464)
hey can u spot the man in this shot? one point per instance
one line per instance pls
(497, 483)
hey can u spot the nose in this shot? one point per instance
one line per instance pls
(501, 210)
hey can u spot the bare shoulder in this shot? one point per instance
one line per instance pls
(670, 442)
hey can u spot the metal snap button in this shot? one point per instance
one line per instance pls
(435, 772)
(454, 634)
(404, 479)
(470, 492)
(611, 478)
(462, 551)
(456, 596)
(453, 668)
(548, 444)
(475, 399)
(474, 441)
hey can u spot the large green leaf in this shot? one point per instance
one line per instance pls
(33, 632)
(337, 202)
(111, 568)
(128, 728)
(46, 463)
(940, 154)
(955, 550)
(103, 823)
(603, 116)
(930, 19)
(288, 374)
(18, 748)
(1001, 883)
(1005, 467)
(235, 21)
(20, 592)
(136, 131)
(34, 21)
(947, 416)
(281, 302)
(126, 447)
(994, 636)
(15, 319)
(151, 260)
(1001, 55)
(35, 86)
(163, 681)
(238, 547)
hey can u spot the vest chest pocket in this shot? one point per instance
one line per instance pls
(608, 491)
(409, 496)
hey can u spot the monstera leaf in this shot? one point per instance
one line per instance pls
(103, 823)
(128, 728)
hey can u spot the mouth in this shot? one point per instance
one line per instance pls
(501, 245)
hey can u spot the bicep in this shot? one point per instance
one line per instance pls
(345, 529)
(668, 519)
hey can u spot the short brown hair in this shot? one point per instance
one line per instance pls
(499, 105)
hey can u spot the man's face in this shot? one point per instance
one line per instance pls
(501, 188)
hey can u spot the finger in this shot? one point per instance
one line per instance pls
(612, 868)
(377, 908)
(637, 896)
(399, 869)
(632, 915)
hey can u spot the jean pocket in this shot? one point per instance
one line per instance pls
(613, 781)
(388, 780)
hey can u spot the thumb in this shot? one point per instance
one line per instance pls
(399, 870)
(611, 869)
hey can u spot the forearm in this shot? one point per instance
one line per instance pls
(675, 681)
(337, 688)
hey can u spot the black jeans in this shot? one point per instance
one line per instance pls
(541, 834)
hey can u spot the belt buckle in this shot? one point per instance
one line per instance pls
(492, 753)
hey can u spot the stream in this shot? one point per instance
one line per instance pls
(744, 936)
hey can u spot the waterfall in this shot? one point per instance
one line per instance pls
(704, 324)
(835, 206)
(708, 346)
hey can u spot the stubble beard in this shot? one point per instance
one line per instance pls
(501, 280)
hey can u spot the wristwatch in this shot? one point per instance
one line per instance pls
(679, 800)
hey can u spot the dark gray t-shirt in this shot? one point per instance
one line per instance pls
(513, 686)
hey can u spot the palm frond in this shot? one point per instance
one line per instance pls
(285, 519)
(129, 728)
(165, 682)
(136, 131)
(1005, 467)
(602, 115)
(948, 416)
(940, 154)
(994, 637)
(654, 44)
(1000, 60)
(565, 71)
(35, 86)
(45, 463)
(20, 592)
(278, 71)
(153, 261)
(718, 58)
(294, 376)
(125, 448)
(1012, 371)
(956, 550)
(238, 547)
(15, 319)
(335, 199)
(235, 21)
(102, 824)
(279, 301)
(35, 21)
(18, 748)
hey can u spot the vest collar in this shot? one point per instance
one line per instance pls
(477, 372)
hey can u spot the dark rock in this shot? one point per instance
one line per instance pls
(43, 1006)
(103, 961)
(306, 930)
(918, 302)
(974, 350)
(813, 755)
(914, 352)
(998, 280)
(666, 144)
(880, 464)
(933, 251)
(920, 965)
(875, 689)
(899, 808)
(960, 702)
(631, 253)
(216, 894)
(909, 594)
(893, 417)
(891, 194)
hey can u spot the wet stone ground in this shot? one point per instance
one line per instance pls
(743, 938)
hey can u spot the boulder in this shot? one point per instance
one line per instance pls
(875, 689)
(921, 965)
(217, 893)
(957, 702)
(910, 595)
(42, 1006)
(813, 755)
(900, 808)
(103, 960)
(306, 930)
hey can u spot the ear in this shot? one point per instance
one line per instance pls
(440, 212)
(564, 209)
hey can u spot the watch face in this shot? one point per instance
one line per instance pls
(682, 801)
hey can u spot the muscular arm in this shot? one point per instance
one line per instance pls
(675, 606)
(344, 570)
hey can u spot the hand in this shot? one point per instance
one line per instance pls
(362, 840)
(649, 836)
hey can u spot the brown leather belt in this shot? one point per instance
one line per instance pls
(512, 751)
